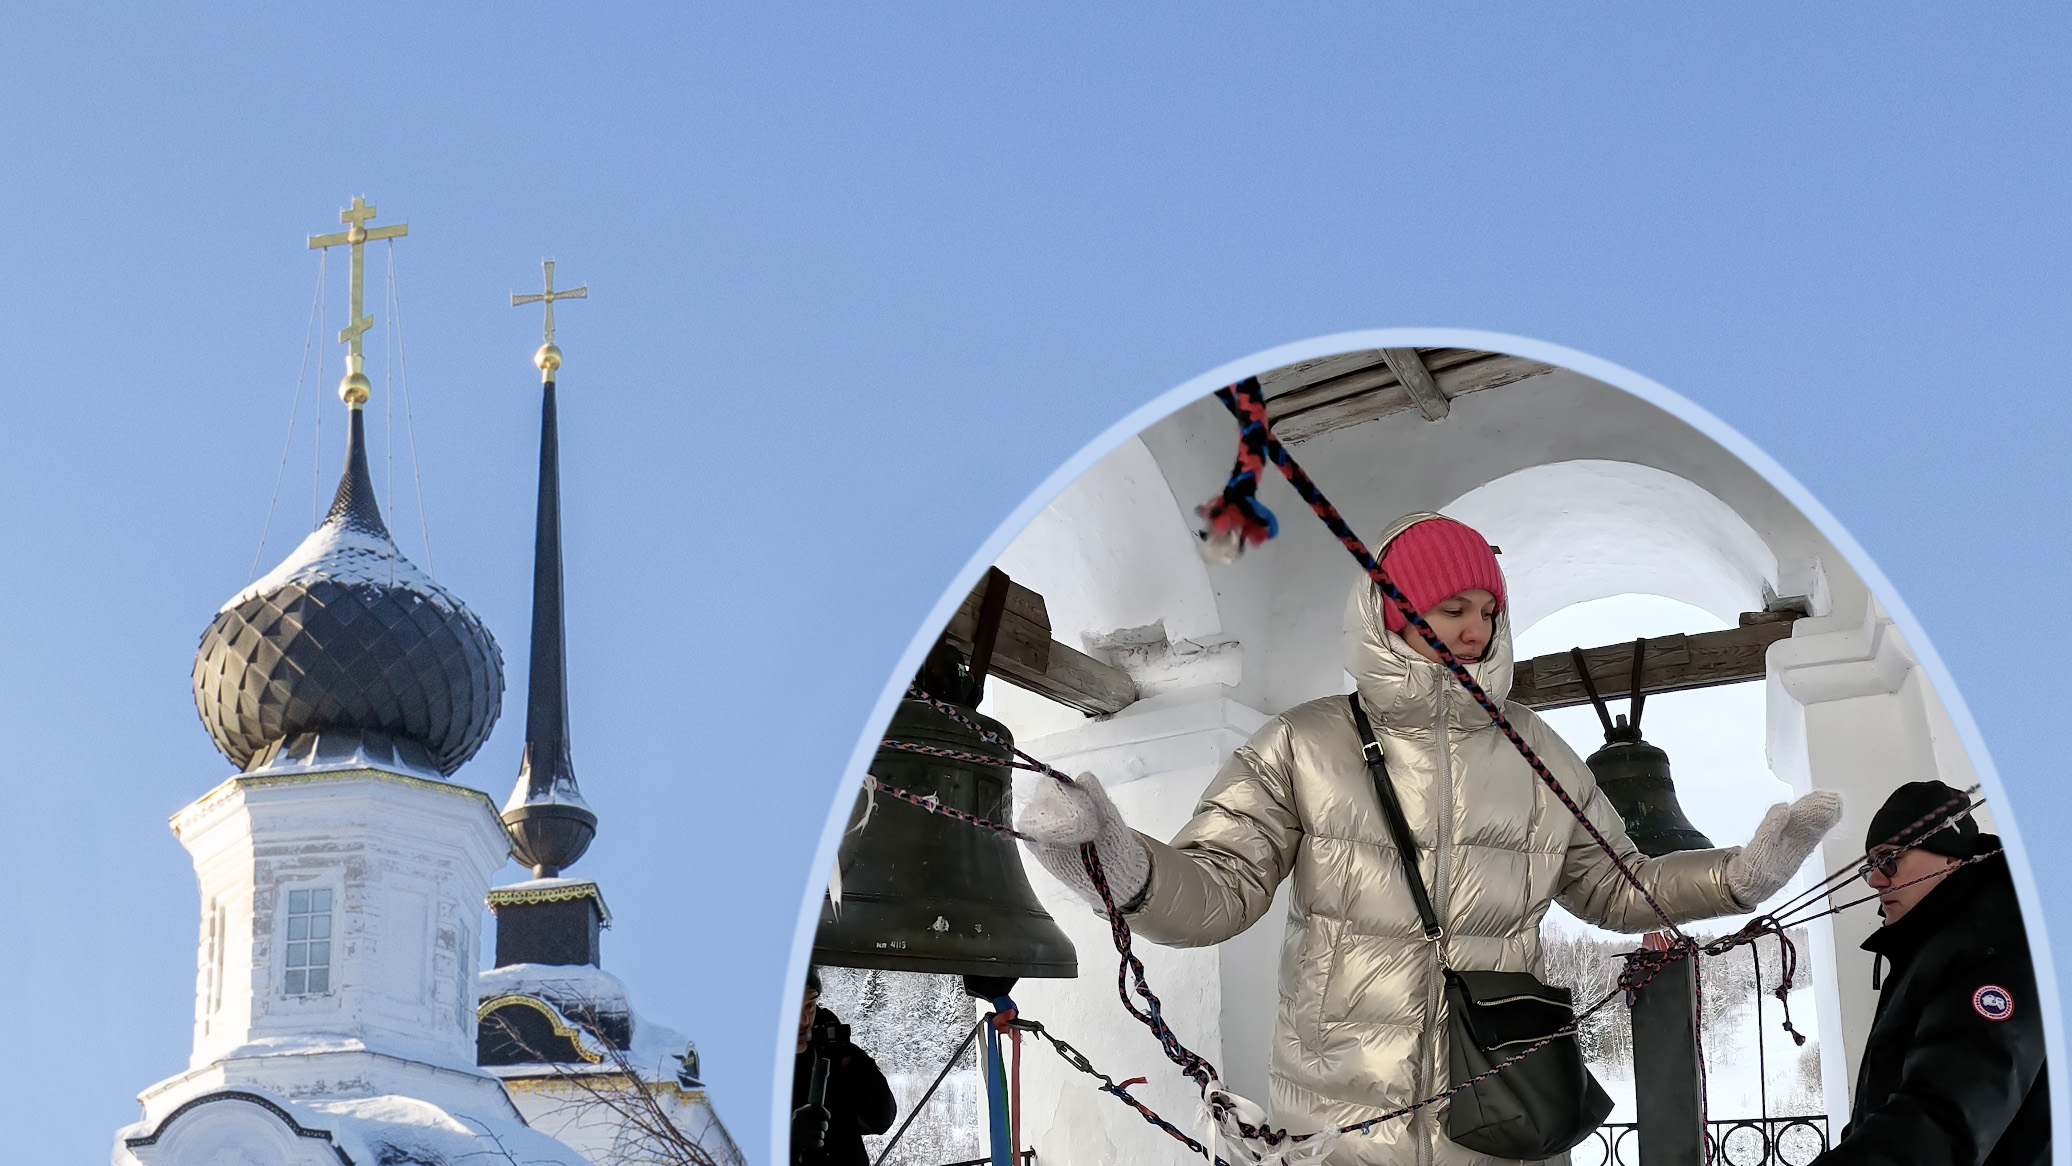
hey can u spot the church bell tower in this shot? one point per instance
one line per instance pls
(342, 872)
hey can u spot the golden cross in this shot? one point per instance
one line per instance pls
(550, 295)
(355, 235)
(548, 358)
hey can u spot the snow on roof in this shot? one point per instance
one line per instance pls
(346, 554)
(407, 1131)
(563, 793)
(657, 1049)
(566, 986)
(388, 1129)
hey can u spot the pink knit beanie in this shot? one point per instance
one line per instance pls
(1434, 561)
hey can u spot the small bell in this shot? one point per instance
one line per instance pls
(1634, 775)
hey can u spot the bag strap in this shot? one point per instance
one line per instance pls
(1399, 827)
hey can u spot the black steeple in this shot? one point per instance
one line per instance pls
(550, 825)
(354, 505)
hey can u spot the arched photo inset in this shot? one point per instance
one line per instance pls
(1456, 756)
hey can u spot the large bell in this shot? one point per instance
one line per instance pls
(1634, 775)
(921, 892)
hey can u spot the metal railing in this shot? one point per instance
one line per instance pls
(1748, 1141)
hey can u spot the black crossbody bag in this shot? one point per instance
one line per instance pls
(1542, 1104)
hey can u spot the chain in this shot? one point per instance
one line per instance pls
(1118, 1089)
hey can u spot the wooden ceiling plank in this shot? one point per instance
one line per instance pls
(1417, 380)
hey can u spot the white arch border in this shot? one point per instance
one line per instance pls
(1178, 397)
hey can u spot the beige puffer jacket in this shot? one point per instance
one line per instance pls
(1361, 1023)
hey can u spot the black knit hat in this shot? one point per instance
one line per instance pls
(813, 980)
(1900, 820)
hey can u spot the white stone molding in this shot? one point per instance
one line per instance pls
(1171, 732)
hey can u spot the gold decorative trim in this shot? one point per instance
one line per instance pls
(576, 1037)
(527, 896)
(531, 1081)
(248, 781)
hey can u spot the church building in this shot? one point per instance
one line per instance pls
(341, 1018)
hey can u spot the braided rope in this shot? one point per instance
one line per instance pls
(1956, 807)
(958, 755)
(1931, 875)
(1247, 403)
(956, 714)
(934, 805)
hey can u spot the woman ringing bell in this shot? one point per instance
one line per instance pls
(1361, 1022)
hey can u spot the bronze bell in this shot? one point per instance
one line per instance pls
(921, 892)
(1634, 775)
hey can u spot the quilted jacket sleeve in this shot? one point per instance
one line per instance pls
(1218, 875)
(1691, 884)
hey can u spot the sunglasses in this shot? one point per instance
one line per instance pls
(1883, 860)
(1884, 857)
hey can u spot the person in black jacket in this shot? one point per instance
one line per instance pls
(1953, 1070)
(858, 1100)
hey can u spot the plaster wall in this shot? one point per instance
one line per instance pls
(407, 860)
(1072, 1124)
(1155, 757)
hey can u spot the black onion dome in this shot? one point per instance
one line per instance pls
(347, 641)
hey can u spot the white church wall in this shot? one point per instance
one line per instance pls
(233, 1134)
(1155, 757)
(404, 861)
(1069, 1122)
(1576, 531)
(1114, 551)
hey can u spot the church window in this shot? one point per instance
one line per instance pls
(309, 942)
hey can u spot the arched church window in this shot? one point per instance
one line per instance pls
(308, 964)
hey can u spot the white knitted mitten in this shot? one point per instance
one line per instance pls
(1060, 817)
(1780, 846)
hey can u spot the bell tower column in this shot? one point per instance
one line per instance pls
(1155, 759)
(1851, 711)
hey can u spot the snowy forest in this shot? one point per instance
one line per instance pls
(910, 1023)
(1742, 1074)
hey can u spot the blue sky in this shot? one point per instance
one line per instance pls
(861, 277)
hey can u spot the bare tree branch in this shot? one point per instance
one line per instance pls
(648, 1134)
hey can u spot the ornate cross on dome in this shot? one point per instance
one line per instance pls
(548, 358)
(354, 388)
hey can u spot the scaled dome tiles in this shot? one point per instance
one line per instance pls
(348, 642)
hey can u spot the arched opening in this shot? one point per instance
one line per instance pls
(1615, 520)
(1717, 741)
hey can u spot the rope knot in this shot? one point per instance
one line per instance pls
(1235, 519)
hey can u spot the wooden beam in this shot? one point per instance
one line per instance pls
(1674, 664)
(1370, 389)
(1309, 384)
(1025, 655)
(1417, 381)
